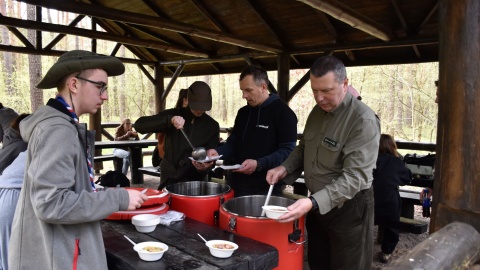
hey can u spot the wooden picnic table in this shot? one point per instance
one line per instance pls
(185, 249)
(135, 148)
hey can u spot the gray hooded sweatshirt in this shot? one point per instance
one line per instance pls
(56, 223)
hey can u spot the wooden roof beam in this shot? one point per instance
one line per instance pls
(427, 18)
(19, 35)
(185, 37)
(132, 49)
(61, 36)
(270, 25)
(351, 17)
(210, 17)
(350, 55)
(404, 25)
(161, 14)
(24, 50)
(130, 17)
(100, 35)
(328, 25)
(38, 36)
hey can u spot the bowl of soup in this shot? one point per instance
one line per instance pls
(221, 248)
(274, 211)
(150, 251)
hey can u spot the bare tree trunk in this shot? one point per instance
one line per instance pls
(121, 91)
(223, 99)
(390, 113)
(7, 56)
(34, 65)
(399, 114)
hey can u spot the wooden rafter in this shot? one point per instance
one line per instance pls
(270, 25)
(61, 36)
(404, 24)
(100, 35)
(351, 17)
(427, 18)
(25, 50)
(210, 17)
(125, 16)
(350, 55)
(161, 14)
(132, 49)
(328, 25)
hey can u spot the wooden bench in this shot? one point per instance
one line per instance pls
(410, 198)
(155, 171)
(117, 162)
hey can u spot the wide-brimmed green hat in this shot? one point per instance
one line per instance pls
(78, 60)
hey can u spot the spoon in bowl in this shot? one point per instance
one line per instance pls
(268, 199)
(130, 240)
(202, 238)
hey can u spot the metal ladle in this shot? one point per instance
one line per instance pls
(198, 153)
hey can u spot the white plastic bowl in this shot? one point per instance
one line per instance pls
(148, 255)
(145, 223)
(221, 252)
(274, 211)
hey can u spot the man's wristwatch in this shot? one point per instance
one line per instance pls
(259, 166)
(314, 203)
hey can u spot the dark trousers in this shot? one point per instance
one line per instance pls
(390, 237)
(342, 238)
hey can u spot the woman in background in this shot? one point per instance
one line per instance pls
(12, 159)
(124, 132)
(387, 177)
(13, 143)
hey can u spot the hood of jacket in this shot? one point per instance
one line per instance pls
(42, 114)
(11, 136)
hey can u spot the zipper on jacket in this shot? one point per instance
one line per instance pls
(76, 253)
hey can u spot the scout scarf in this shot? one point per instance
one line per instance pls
(89, 158)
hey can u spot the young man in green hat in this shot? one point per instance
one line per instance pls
(56, 223)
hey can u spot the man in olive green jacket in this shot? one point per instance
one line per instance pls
(338, 154)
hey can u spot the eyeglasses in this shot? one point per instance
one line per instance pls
(102, 86)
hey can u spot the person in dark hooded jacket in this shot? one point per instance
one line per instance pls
(13, 143)
(389, 174)
(264, 134)
(202, 130)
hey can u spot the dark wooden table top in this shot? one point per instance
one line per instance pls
(186, 250)
(119, 144)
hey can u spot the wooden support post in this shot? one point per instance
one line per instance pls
(159, 88)
(95, 123)
(458, 140)
(283, 63)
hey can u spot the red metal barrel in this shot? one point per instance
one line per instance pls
(199, 200)
(242, 216)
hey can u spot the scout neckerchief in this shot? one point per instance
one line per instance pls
(89, 159)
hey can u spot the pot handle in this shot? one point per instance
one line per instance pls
(296, 235)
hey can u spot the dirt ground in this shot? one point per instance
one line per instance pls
(407, 240)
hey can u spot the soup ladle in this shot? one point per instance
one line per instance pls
(198, 153)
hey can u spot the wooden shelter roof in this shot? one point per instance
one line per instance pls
(215, 37)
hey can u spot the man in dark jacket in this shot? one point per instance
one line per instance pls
(264, 134)
(202, 130)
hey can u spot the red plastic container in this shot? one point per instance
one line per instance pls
(199, 200)
(242, 216)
